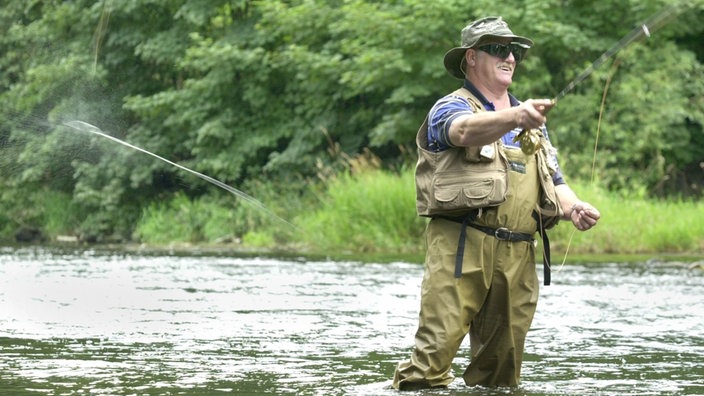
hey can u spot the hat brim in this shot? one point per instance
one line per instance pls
(453, 57)
(453, 62)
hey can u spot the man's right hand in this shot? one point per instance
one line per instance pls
(531, 113)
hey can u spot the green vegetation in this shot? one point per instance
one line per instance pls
(633, 224)
(279, 98)
(370, 212)
(373, 211)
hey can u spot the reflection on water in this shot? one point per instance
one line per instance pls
(113, 323)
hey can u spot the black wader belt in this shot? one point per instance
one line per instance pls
(502, 234)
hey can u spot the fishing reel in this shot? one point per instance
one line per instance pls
(530, 140)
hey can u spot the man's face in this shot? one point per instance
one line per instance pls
(491, 68)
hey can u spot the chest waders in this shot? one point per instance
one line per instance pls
(494, 298)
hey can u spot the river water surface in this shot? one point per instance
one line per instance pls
(114, 323)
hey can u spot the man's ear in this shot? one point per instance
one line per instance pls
(470, 57)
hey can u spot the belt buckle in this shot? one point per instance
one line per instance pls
(502, 234)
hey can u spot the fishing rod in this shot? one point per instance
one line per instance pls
(650, 25)
(86, 127)
(530, 139)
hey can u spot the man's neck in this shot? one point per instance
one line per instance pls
(499, 97)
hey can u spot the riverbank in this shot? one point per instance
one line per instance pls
(372, 214)
(688, 260)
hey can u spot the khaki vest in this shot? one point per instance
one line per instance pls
(457, 180)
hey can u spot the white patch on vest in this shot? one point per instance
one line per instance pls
(487, 152)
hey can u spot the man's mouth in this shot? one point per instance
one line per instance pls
(505, 67)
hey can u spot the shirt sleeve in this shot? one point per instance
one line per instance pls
(440, 118)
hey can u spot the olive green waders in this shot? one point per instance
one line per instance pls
(494, 299)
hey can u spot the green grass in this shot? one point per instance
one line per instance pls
(60, 216)
(182, 220)
(631, 224)
(373, 212)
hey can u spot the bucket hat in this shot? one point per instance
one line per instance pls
(481, 30)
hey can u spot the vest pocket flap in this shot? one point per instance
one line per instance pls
(477, 189)
(480, 189)
(453, 191)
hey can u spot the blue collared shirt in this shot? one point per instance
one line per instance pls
(450, 107)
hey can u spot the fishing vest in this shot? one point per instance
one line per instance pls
(458, 180)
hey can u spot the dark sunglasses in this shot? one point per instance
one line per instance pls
(502, 50)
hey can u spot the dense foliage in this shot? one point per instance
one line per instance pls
(275, 95)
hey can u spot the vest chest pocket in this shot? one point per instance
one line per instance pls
(459, 192)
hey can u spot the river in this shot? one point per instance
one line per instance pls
(93, 322)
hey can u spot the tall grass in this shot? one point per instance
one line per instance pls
(181, 220)
(204, 220)
(633, 224)
(373, 211)
(217, 218)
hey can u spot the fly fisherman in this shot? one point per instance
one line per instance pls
(489, 180)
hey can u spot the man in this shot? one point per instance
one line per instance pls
(488, 178)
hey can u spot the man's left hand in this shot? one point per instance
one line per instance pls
(584, 216)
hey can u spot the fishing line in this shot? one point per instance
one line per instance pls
(596, 144)
(614, 66)
(650, 25)
(86, 127)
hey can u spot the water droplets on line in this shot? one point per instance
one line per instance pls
(86, 127)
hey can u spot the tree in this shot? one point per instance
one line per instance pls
(248, 91)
